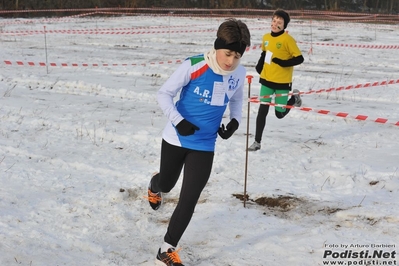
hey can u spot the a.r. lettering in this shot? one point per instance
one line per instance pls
(205, 94)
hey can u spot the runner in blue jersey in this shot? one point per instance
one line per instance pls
(205, 84)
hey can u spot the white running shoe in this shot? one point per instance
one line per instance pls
(298, 100)
(254, 147)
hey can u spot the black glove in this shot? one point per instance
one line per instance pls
(185, 128)
(227, 132)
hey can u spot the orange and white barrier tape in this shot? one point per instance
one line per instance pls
(369, 46)
(110, 32)
(41, 64)
(327, 112)
(341, 88)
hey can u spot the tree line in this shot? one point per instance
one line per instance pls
(368, 6)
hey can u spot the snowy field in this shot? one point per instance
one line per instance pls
(80, 136)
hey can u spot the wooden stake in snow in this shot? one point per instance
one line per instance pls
(249, 77)
(45, 47)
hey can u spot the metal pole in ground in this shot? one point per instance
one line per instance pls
(45, 47)
(249, 78)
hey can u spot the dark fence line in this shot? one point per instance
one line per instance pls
(239, 12)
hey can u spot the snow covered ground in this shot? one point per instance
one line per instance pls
(79, 142)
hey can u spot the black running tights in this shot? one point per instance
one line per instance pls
(197, 169)
(261, 118)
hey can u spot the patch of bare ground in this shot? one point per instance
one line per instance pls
(284, 206)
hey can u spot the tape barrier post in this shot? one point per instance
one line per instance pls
(45, 47)
(311, 40)
(249, 78)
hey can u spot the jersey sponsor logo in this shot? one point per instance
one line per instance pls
(205, 95)
(279, 45)
(233, 83)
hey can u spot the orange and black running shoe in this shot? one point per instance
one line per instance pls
(155, 199)
(169, 258)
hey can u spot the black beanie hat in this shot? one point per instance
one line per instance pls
(284, 15)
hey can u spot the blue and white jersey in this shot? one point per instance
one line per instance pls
(204, 96)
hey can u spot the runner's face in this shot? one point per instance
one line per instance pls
(277, 24)
(227, 59)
